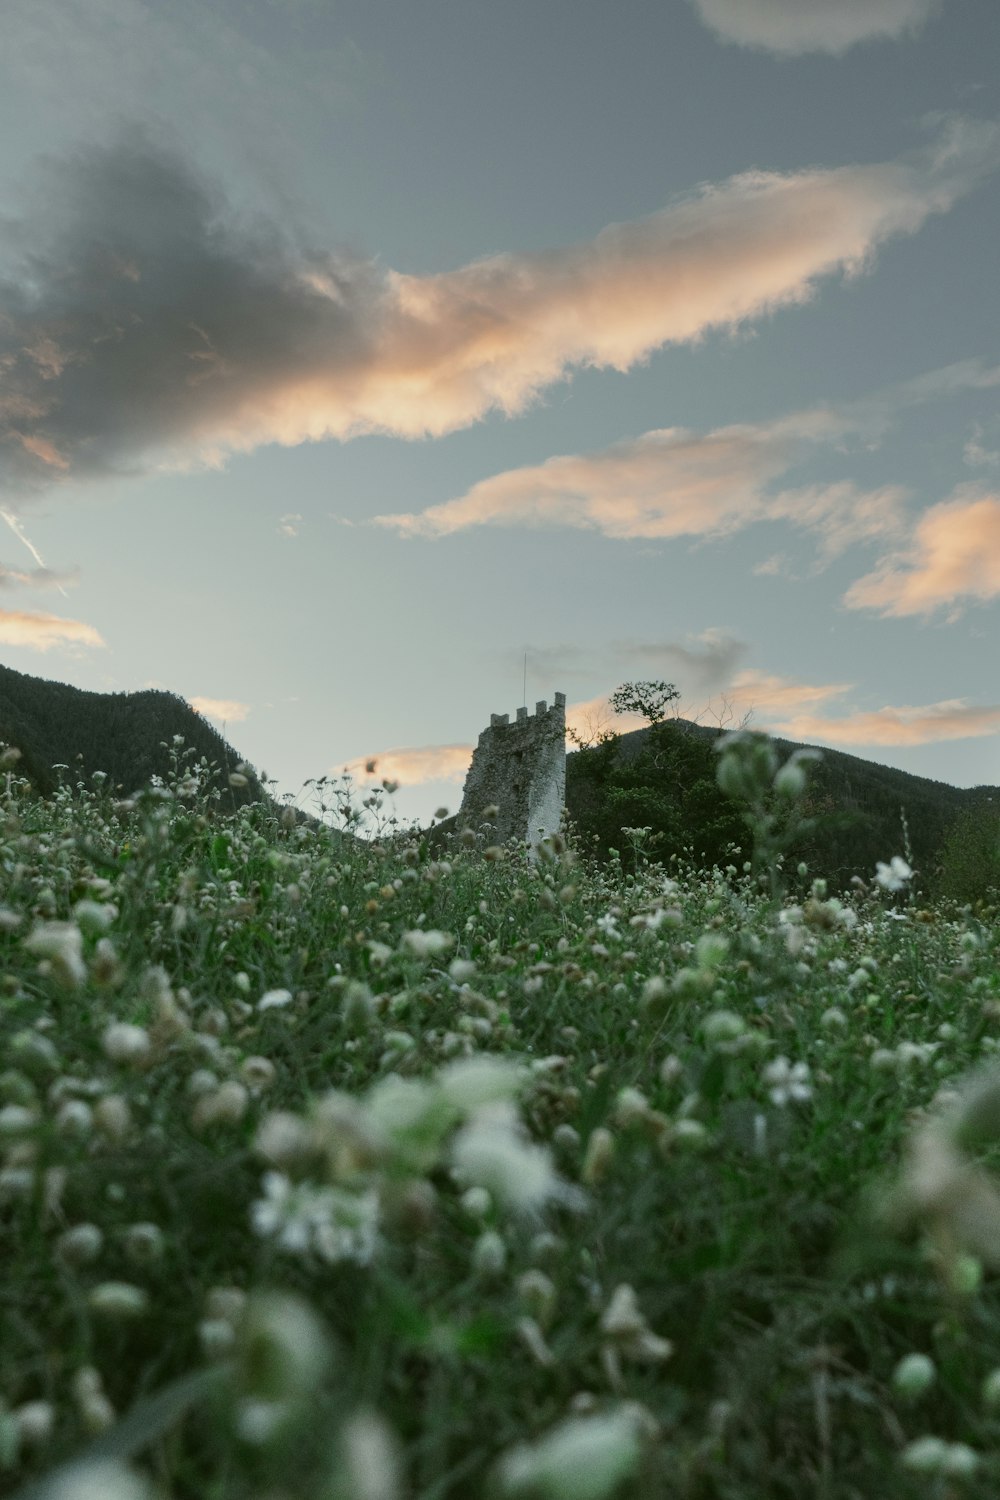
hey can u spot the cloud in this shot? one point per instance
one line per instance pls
(144, 323)
(952, 719)
(412, 766)
(674, 482)
(790, 27)
(222, 710)
(976, 454)
(704, 664)
(955, 557)
(36, 578)
(766, 693)
(289, 525)
(42, 632)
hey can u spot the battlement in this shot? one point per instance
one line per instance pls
(520, 769)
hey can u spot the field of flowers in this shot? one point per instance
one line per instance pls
(343, 1169)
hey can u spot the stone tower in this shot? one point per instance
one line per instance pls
(519, 768)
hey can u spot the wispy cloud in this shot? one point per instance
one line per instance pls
(142, 323)
(222, 710)
(767, 693)
(789, 27)
(954, 559)
(673, 482)
(952, 719)
(976, 453)
(43, 632)
(37, 578)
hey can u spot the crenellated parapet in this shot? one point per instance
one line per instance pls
(520, 769)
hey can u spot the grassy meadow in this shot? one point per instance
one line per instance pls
(354, 1169)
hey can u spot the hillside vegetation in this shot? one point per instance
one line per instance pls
(662, 779)
(126, 736)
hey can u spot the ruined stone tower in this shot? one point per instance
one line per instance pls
(519, 768)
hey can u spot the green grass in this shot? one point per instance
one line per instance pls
(441, 1313)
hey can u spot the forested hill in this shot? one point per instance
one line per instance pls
(664, 778)
(126, 735)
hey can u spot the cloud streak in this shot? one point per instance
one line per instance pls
(791, 27)
(43, 632)
(952, 719)
(673, 482)
(143, 323)
(36, 578)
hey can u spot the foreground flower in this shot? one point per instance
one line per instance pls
(329, 1222)
(98, 1479)
(787, 1081)
(894, 875)
(493, 1151)
(584, 1458)
(62, 944)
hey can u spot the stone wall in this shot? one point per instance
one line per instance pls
(520, 769)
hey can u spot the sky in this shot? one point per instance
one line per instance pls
(368, 368)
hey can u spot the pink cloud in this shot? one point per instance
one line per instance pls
(672, 482)
(222, 710)
(952, 719)
(766, 693)
(42, 632)
(955, 557)
(411, 766)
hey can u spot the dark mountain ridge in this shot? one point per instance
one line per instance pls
(128, 736)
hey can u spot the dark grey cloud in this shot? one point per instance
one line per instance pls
(140, 316)
(702, 665)
(706, 664)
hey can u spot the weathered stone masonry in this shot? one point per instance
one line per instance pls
(519, 768)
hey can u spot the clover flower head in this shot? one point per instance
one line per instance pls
(894, 875)
(787, 1081)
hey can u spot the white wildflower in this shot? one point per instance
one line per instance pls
(583, 1458)
(426, 944)
(913, 1375)
(127, 1044)
(493, 1151)
(62, 944)
(370, 1457)
(96, 1479)
(471, 1082)
(274, 999)
(95, 916)
(36, 1420)
(894, 875)
(118, 1299)
(330, 1222)
(787, 1081)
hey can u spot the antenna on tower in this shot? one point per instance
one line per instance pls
(524, 684)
